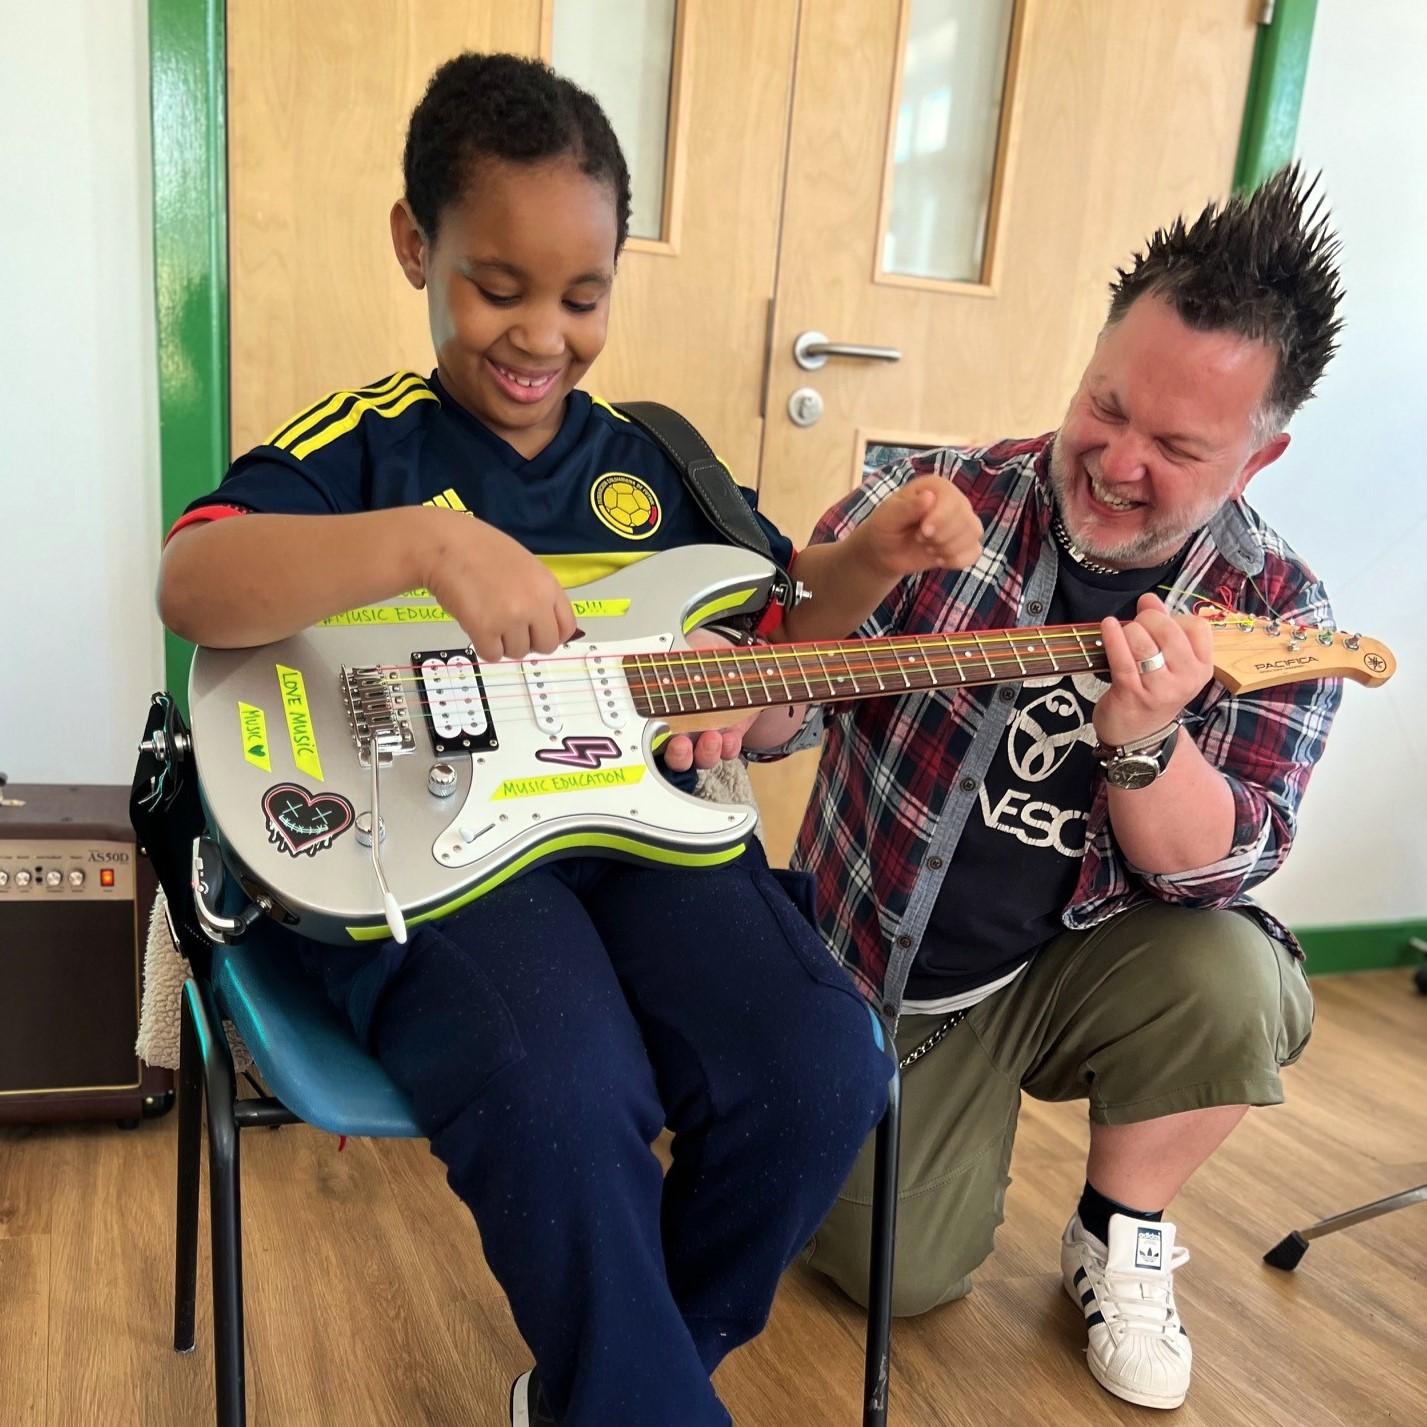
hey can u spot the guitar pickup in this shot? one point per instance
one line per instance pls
(455, 702)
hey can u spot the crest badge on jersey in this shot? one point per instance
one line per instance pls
(626, 505)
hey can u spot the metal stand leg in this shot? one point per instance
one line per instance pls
(1288, 1251)
(190, 1133)
(225, 1212)
(883, 1255)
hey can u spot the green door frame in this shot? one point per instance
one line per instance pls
(1276, 78)
(188, 87)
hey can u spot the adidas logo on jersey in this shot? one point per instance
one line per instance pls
(447, 500)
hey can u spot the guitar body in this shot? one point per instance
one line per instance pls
(483, 771)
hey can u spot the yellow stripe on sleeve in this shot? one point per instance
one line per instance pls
(329, 403)
(334, 429)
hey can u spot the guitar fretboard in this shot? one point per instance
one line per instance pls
(700, 680)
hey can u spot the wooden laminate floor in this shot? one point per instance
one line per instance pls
(368, 1301)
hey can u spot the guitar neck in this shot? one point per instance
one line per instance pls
(702, 680)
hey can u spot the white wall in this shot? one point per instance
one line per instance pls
(1351, 492)
(80, 647)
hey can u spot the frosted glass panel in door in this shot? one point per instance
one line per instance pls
(944, 141)
(622, 51)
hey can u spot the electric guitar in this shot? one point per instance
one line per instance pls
(369, 773)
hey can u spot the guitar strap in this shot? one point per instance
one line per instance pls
(167, 815)
(707, 479)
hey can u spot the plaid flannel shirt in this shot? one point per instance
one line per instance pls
(899, 777)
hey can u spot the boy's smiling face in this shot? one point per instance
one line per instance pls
(518, 290)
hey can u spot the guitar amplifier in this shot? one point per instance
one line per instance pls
(75, 898)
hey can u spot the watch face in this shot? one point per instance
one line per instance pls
(1133, 771)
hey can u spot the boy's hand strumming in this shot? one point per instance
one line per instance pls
(508, 603)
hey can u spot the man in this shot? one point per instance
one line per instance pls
(1066, 862)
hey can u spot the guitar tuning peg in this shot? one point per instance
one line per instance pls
(1273, 629)
(1352, 641)
(1325, 636)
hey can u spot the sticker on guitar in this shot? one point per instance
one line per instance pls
(581, 751)
(302, 823)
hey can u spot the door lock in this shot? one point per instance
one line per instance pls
(805, 406)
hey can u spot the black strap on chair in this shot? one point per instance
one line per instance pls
(167, 816)
(708, 480)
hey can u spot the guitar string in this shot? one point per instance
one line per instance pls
(1016, 642)
(686, 671)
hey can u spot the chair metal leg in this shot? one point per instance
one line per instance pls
(226, 1215)
(190, 1136)
(883, 1256)
(1288, 1251)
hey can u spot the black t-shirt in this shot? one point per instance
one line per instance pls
(1018, 859)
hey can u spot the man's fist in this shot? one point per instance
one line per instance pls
(925, 525)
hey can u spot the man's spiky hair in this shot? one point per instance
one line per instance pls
(1265, 266)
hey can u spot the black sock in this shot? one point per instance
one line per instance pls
(1095, 1210)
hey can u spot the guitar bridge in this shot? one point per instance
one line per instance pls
(377, 710)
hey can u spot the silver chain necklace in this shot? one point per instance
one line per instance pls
(1062, 538)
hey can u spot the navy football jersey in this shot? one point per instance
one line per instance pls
(600, 496)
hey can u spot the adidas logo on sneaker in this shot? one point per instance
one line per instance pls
(1136, 1346)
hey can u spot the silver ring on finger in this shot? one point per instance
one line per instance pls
(1155, 661)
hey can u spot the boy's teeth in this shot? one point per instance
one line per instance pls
(524, 381)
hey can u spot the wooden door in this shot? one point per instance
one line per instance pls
(1116, 115)
(318, 98)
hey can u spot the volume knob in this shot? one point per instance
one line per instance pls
(441, 780)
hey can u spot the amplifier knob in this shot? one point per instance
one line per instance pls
(23, 878)
(76, 876)
(4, 878)
(54, 878)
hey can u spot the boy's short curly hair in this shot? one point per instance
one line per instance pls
(501, 106)
(1265, 266)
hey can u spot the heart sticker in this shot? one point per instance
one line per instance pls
(301, 822)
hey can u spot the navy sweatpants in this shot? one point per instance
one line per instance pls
(545, 1035)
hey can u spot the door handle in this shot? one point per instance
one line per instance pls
(812, 349)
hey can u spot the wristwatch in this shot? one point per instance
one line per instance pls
(1139, 762)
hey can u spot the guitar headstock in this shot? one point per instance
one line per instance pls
(1257, 653)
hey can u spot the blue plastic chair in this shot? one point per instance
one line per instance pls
(317, 1074)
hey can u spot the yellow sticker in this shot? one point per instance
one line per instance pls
(587, 780)
(599, 609)
(254, 725)
(299, 722)
(391, 614)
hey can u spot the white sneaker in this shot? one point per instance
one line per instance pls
(1138, 1348)
(528, 1407)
